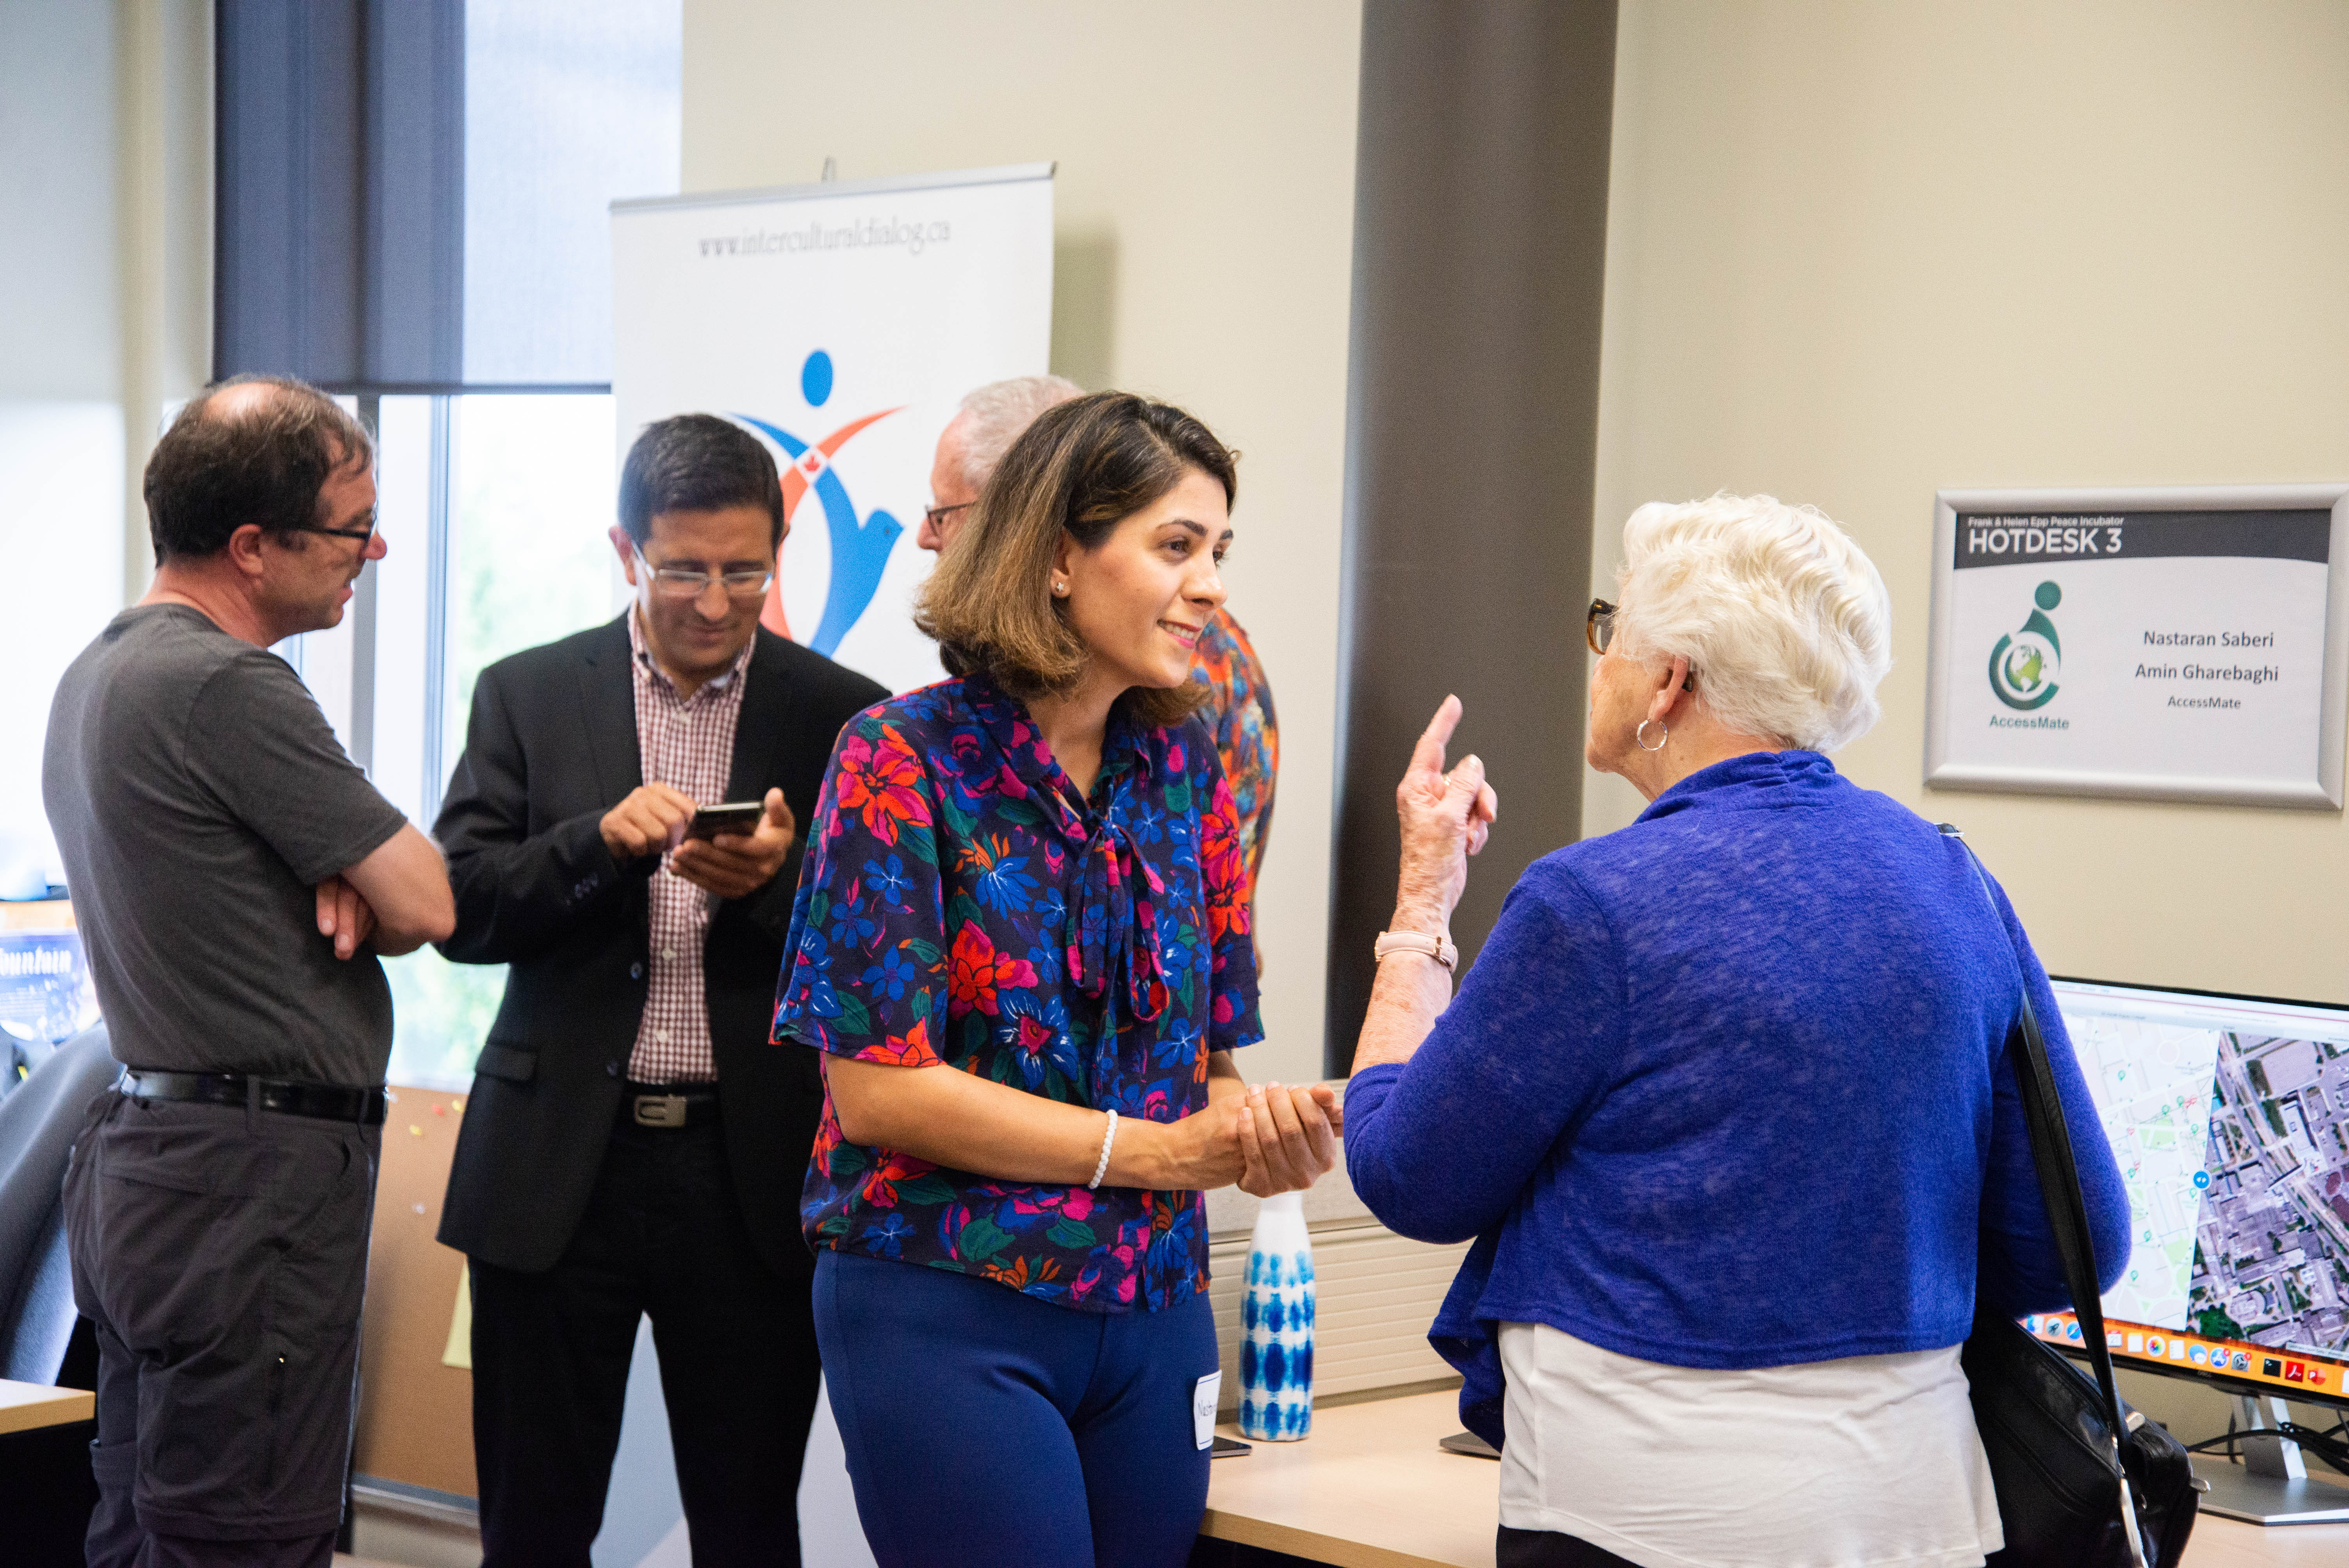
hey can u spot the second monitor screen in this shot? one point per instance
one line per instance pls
(2229, 1119)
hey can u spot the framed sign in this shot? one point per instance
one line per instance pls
(2181, 644)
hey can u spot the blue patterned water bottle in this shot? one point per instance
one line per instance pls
(1276, 1324)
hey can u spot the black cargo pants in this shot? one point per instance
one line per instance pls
(221, 1254)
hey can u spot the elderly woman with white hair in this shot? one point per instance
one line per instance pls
(1725, 1102)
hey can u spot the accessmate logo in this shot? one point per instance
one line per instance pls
(2023, 665)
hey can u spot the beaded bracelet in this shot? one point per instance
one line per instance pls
(1109, 1136)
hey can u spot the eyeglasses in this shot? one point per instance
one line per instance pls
(363, 535)
(1598, 631)
(934, 515)
(678, 582)
(1598, 626)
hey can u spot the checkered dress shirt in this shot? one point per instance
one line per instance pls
(687, 743)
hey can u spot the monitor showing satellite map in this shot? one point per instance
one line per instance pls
(2229, 1119)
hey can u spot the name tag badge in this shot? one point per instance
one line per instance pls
(1202, 1408)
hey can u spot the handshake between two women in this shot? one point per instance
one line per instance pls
(1269, 1138)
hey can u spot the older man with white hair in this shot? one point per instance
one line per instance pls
(1239, 713)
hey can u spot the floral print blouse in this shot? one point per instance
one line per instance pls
(961, 904)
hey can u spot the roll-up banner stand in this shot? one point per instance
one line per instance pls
(2181, 644)
(842, 323)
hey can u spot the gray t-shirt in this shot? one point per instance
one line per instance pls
(199, 796)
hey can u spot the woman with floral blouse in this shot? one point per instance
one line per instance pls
(1033, 874)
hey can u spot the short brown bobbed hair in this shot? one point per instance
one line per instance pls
(1081, 469)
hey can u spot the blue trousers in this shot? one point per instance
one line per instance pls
(984, 1427)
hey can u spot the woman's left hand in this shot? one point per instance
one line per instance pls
(1288, 1138)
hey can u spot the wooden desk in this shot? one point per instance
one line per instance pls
(1370, 1489)
(45, 1437)
(27, 1407)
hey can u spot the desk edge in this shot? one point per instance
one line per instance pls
(1338, 1553)
(70, 1406)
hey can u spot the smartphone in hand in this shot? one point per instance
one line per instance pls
(734, 817)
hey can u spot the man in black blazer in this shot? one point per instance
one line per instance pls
(633, 1144)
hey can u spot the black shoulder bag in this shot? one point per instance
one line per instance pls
(2083, 1481)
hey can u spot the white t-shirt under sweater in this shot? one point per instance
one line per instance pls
(1872, 1462)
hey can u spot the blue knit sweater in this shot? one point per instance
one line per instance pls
(1729, 1089)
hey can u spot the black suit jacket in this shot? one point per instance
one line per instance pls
(551, 748)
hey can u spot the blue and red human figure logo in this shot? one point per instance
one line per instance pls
(860, 548)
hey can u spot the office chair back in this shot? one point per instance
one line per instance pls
(37, 1124)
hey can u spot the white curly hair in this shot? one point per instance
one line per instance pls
(1784, 619)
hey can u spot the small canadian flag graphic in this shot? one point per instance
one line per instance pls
(813, 463)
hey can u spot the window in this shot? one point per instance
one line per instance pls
(530, 556)
(61, 529)
(496, 509)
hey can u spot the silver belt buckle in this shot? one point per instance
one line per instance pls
(660, 1111)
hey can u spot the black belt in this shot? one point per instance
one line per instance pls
(683, 1105)
(325, 1102)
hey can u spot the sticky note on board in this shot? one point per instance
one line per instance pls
(459, 1352)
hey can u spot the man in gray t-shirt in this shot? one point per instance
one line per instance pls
(204, 798)
(234, 877)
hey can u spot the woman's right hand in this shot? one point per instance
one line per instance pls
(1200, 1152)
(1446, 817)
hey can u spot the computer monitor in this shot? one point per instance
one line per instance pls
(2229, 1116)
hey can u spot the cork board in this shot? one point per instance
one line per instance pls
(416, 1415)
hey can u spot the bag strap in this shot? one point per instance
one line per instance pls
(2059, 1188)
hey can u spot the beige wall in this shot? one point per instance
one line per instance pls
(106, 226)
(163, 204)
(1204, 209)
(1860, 251)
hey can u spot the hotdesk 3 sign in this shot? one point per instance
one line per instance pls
(2178, 643)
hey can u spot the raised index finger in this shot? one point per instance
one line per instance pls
(1427, 755)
